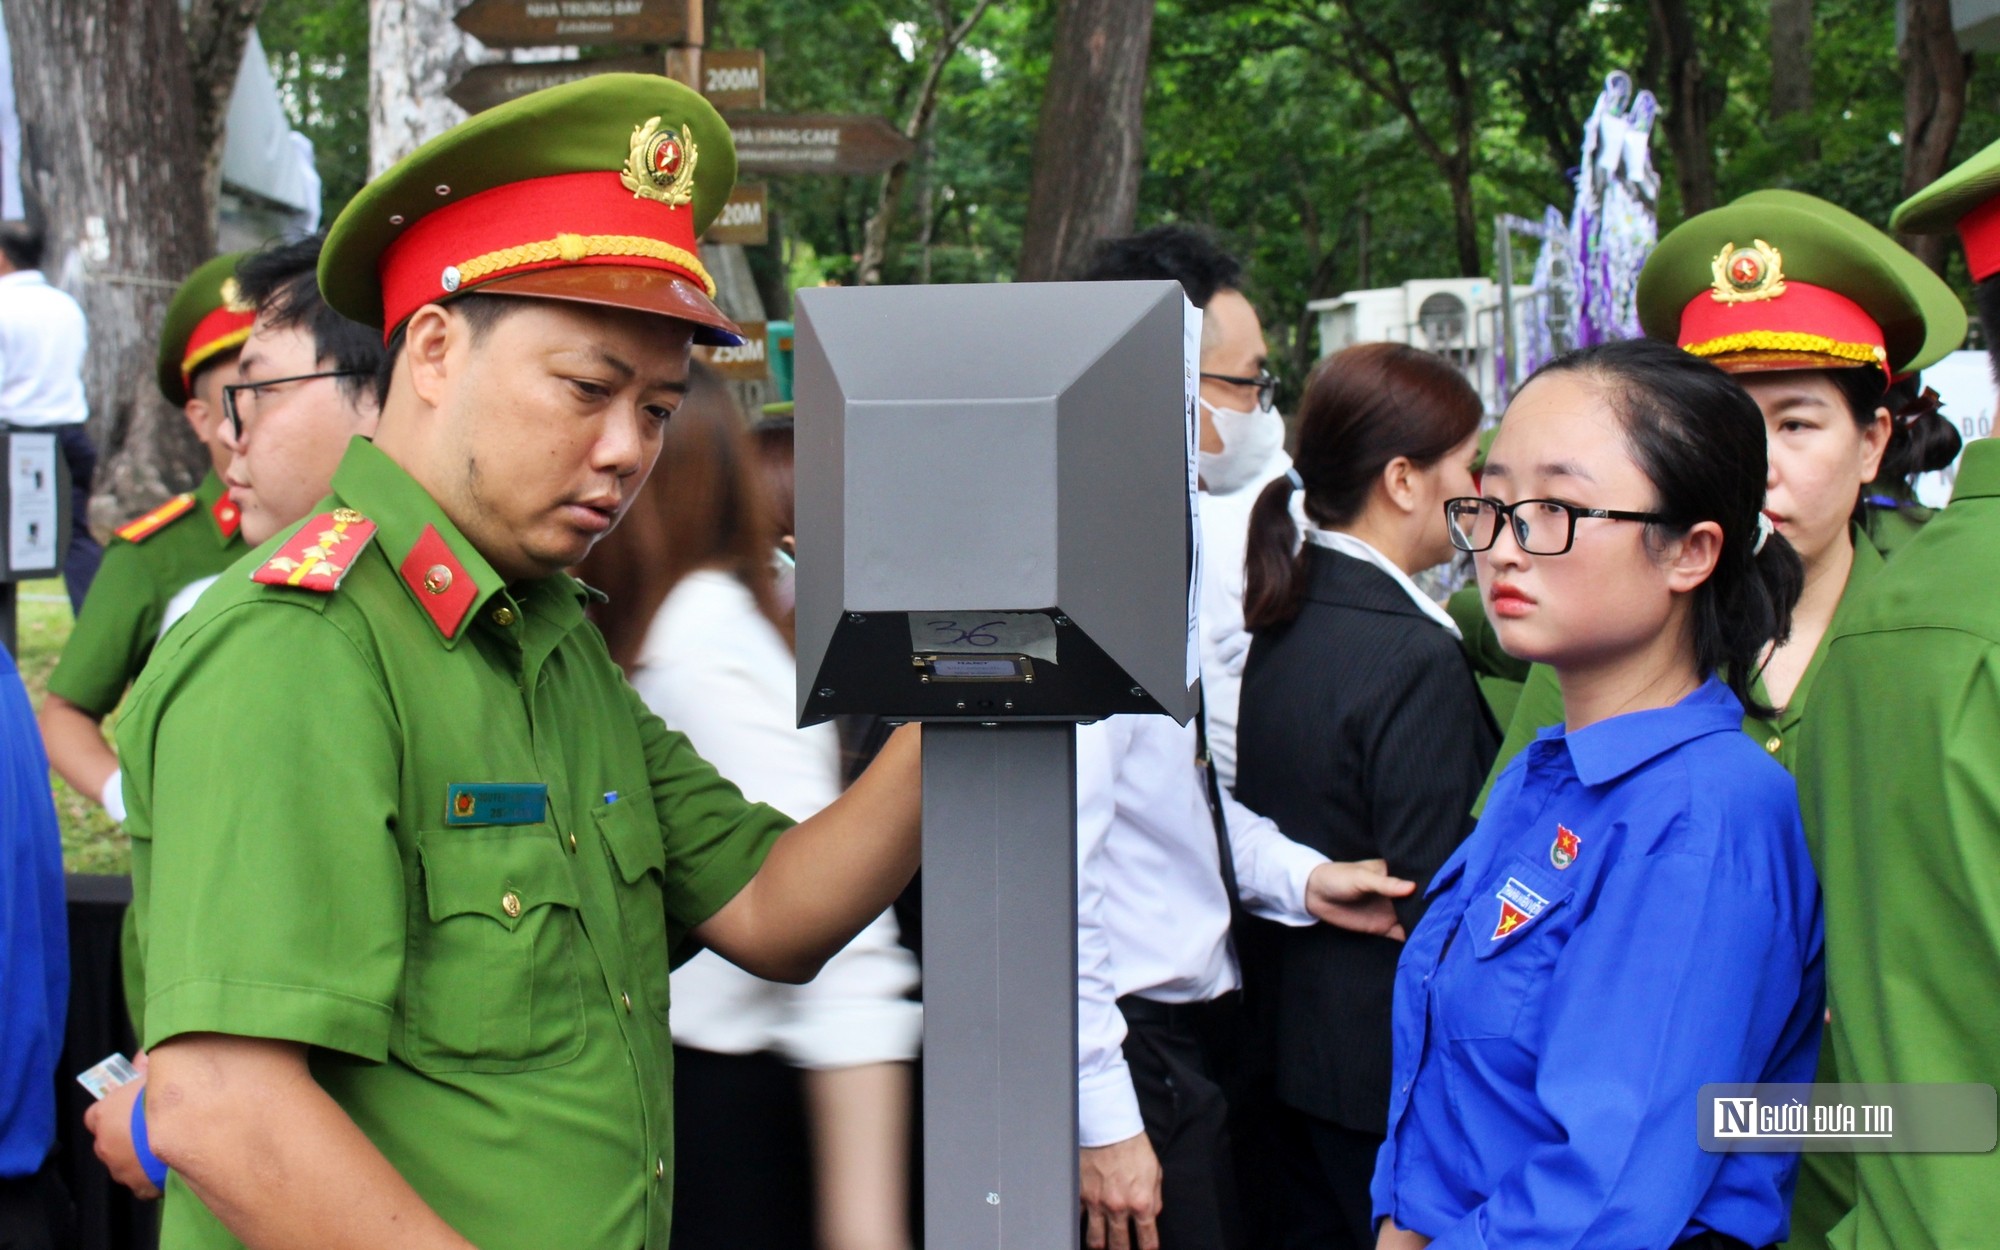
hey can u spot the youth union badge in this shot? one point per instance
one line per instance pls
(1562, 852)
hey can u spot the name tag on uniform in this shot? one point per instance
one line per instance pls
(1518, 905)
(496, 803)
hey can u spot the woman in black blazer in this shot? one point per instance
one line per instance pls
(1362, 734)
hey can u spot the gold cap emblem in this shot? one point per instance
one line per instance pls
(232, 297)
(660, 164)
(1745, 274)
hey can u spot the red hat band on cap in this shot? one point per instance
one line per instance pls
(220, 331)
(1801, 325)
(562, 220)
(1979, 230)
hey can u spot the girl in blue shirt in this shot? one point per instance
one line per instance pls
(1636, 914)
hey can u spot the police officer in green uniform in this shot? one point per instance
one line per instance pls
(1829, 307)
(411, 860)
(1900, 788)
(153, 557)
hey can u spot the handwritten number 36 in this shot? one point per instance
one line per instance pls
(976, 636)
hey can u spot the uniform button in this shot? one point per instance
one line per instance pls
(1773, 745)
(503, 616)
(437, 579)
(627, 1000)
(659, 1169)
(510, 903)
(572, 844)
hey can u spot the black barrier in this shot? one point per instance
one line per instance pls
(108, 1217)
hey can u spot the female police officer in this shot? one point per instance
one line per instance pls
(1636, 914)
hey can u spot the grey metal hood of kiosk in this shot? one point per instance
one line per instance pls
(1013, 452)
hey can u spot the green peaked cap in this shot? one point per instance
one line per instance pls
(203, 293)
(1822, 245)
(1938, 208)
(1943, 312)
(587, 126)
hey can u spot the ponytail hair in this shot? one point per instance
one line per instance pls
(1920, 440)
(1363, 408)
(1700, 439)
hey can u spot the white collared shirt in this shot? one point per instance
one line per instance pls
(1349, 545)
(42, 342)
(1225, 644)
(1152, 912)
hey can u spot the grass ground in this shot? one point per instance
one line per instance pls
(91, 842)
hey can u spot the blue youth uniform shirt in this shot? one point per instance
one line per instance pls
(34, 936)
(1635, 916)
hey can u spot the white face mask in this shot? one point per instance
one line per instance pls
(1249, 440)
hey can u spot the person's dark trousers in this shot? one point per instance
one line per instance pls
(1326, 1174)
(742, 1161)
(1175, 1051)
(35, 1212)
(81, 560)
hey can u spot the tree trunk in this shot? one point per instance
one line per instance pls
(1089, 147)
(1934, 73)
(1791, 57)
(415, 55)
(1690, 104)
(108, 140)
(217, 31)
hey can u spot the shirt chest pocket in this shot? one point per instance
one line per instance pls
(490, 979)
(632, 832)
(1513, 931)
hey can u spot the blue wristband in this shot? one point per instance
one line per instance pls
(155, 1167)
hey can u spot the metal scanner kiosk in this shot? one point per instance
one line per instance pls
(996, 523)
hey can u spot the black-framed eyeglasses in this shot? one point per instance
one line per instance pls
(1542, 527)
(231, 406)
(1266, 383)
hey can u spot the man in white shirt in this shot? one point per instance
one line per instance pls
(1156, 968)
(42, 342)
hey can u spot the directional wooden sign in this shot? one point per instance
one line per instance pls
(733, 79)
(542, 23)
(816, 144)
(487, 85)
(745, 218)
(747, 363)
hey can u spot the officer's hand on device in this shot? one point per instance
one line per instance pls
(1120, 1183)
(109, 1123)
(1358, 896)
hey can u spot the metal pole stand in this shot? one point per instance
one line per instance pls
(1000, 1125)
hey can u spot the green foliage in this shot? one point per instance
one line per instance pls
(319, 54)
(1313, 136)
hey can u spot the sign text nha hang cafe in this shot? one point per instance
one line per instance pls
(732, 79)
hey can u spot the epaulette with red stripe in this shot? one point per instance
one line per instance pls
(139, 529)
(320, 553)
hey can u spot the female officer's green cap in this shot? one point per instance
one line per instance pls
(1943, 312)
(1788, 282)
(594, 191)
(1966, 199)
(206, 319)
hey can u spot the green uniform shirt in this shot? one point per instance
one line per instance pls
(121, 615)
(1901, 794)
(485, 986)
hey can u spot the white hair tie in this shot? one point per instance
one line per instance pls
(1292, 476)
(1764, 528)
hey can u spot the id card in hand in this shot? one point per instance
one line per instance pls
(103, 1077)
